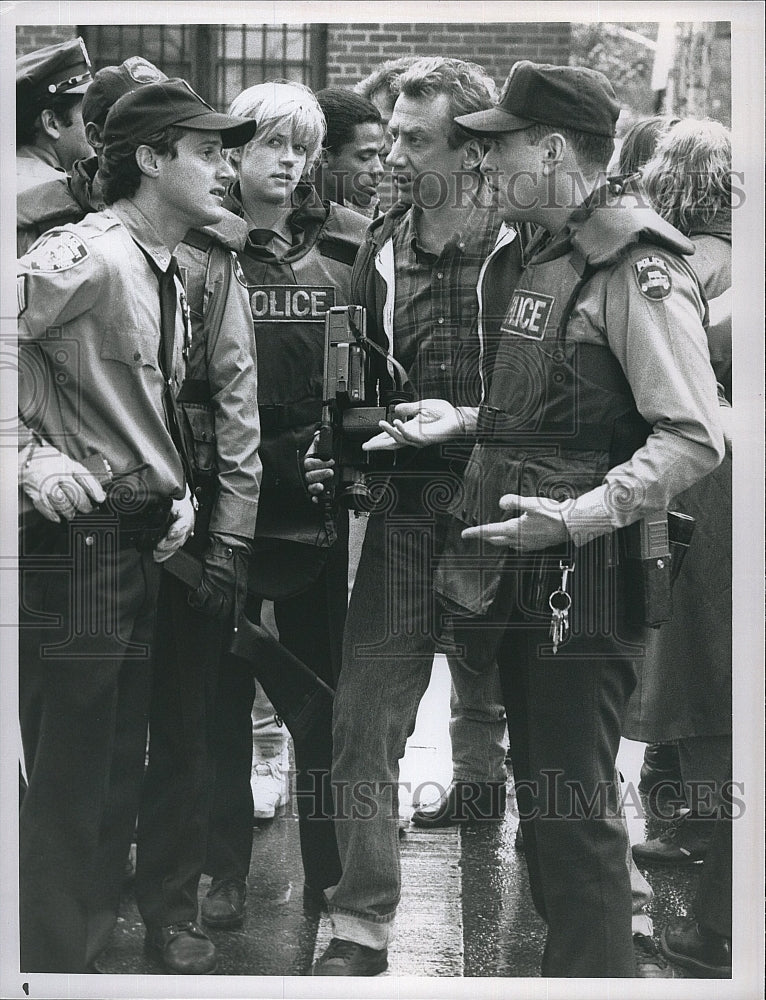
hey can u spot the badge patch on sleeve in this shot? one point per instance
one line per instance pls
(55, 251)
(21, 293)
(653, 277)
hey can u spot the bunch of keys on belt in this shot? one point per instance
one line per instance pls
(560, 602)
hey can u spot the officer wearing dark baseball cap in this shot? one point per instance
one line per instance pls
(564, 96)
(112, 82)
(147, 110)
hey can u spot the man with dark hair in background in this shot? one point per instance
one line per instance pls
(68, 197)
(50, 134)
(351, 166)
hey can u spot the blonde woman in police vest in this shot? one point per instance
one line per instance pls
(295, 263)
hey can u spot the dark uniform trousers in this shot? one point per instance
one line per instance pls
(196, 807)
(310, 626)
(565, 715)
(175, 800)
(86, 623)
(713, 904)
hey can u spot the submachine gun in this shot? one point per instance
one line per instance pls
(352, 407)
(301, 699)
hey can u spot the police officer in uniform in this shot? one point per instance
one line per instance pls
(50, 134)
(219, 407)
(68, 197)
(295, 258)
(103, 335)
(601, 408)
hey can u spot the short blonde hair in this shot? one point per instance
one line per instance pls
(283, 104)
(688, 179)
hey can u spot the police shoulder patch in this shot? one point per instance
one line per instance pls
(653, 277)
(57, 250)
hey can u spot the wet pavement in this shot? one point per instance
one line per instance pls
(466, 908)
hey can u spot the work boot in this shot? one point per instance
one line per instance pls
(224, 905)
(661, 764)
(685, 841)
(269, 779)
(183, 949)
(650, 964)
(463, 802)
(347, 958)
(693, 947)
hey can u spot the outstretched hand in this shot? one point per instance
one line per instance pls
(538, 526)
(417, 424)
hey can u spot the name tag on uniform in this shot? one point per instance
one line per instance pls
(528, 314)
(291, 303)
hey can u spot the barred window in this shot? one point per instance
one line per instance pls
(218, 60)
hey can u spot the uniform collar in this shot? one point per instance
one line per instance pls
(142, 231)
(38, 153)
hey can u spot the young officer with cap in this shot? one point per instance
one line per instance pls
(67, 198)
(601, 408)
(219, 405)
(50, 134)
(103, 336)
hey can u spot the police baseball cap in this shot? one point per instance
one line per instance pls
(535, 93)
(138, 115)
(112, 82)
(63, 68)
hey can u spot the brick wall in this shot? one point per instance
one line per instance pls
(34, 36)
(353, 51)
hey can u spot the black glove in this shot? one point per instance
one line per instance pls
(224, 577)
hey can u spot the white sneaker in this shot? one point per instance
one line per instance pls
(269, 782)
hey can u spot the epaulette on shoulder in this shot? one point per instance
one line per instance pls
(620, 222)
(46, 204)
(230, 233)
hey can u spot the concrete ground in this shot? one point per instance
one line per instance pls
(466, 909)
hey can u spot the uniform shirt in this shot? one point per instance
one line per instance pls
(89, 337)
(35, 166)
(436, 305)
(662, 349)
(57, 203)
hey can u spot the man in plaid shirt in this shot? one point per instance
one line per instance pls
(425, 275)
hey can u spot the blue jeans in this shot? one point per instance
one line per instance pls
(388, 650)
(477, 725)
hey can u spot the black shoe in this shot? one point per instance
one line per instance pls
(650, 964)
(183, 949)
(224, 905)
(706, 954)
(347, 958)
(464, 802)
(684, 842)
(661, 764)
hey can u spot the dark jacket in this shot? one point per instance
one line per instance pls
(289, 292)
